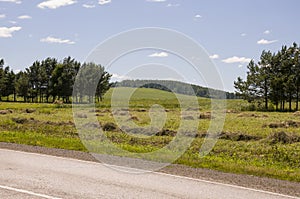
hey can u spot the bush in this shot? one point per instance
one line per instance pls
(250, 107)
(271, 108)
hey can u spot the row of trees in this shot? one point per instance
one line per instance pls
(274, 78)
(52, 80)
(7, 81)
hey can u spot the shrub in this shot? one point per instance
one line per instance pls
(250, 107)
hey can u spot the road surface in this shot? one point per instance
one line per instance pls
(29, 175)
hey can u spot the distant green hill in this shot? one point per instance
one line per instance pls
(146, 97)
(177, 87)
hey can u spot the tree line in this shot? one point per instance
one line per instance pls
(50, 80)
(176, 87)
(274, 81)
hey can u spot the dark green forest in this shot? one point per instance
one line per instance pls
(50, 80)
(176, 87)
(273, 83)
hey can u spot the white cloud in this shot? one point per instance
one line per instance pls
(12, 1)
(103, 2)
(240, 66)
(264, 41)
(156, 1)
(215, 56)
(161, 54)
(7, 32)
(24, 17)
(88, 6)
(267, 32)
(117, 77)
(57, 40)
(2, 16)
(12, 22)
(243, 34)
(173, 5)
(197, 17)
(236, 59)
(53, 4)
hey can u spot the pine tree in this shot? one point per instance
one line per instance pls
(22, 85)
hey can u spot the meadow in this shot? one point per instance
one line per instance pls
(255, 143)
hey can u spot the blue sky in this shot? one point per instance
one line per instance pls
(231, 31)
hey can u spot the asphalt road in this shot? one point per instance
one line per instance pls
(29, 175)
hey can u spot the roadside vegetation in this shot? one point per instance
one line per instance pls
(255, 143)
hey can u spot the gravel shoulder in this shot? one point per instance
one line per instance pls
(266, 184)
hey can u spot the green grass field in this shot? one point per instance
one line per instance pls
(255, 143)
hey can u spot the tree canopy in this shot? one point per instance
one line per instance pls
(50, 79)
(274, 79)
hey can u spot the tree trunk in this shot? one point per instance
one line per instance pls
(15, 96)
(266, 103)
(266, 95)
(297, 98)
(290, 102)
